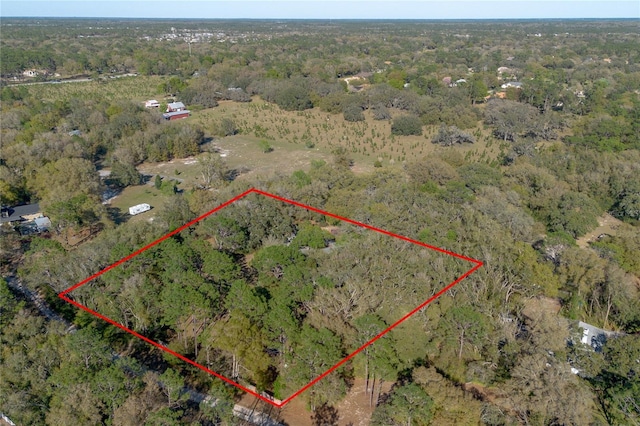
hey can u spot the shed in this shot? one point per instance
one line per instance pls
(42, 223)
(175, 115)
(152, 103)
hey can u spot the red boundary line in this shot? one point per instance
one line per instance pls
(63, 294)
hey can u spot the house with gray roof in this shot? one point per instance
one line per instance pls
(20, 213)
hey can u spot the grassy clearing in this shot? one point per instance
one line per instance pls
(293, 149)
(365, 141)
(135, 89)
(133, 195)
(184, 170)
(242, 152)
(607, 224)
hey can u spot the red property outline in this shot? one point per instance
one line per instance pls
(63, 294)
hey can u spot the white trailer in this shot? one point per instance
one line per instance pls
(140, 208)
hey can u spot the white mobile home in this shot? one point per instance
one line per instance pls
(140, 208)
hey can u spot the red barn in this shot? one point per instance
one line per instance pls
(176, 115)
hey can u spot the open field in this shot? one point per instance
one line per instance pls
(366, 141)
(145, 193)
(113, 90)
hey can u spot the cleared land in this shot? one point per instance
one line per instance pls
(364, 141)
(114, 90)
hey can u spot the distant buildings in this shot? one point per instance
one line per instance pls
(176, 115)
(514, 84)
(34, 73)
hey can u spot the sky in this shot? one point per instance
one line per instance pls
(329, 9)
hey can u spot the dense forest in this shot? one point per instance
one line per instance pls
(516, 143)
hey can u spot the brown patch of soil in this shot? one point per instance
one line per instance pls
(481, 392)
(333, 230)
(353, 410)
(535, 307)
(607, 224)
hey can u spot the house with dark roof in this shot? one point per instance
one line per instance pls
(20, 213)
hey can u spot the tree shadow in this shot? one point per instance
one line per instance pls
(116, 215)
(232, 174)
(325, 415)
(145, 179)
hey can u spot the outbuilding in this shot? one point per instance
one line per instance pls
(176, 106)
(176, 115)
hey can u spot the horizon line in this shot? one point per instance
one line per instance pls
(594, 18)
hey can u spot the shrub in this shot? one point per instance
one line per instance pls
(226, 127)
(300, 178)
(380, 112)
(353, 113)
(294, 98)
(265, 146)
(452, 135)
(406, 125)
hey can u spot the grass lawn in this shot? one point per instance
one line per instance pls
(244, 152)
(139, 194)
